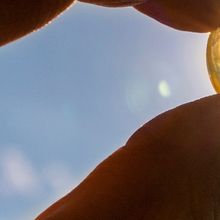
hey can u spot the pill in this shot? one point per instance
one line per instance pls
(213, 59)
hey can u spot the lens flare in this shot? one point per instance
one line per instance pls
(164, 89)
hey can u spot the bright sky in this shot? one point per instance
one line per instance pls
(75, 91)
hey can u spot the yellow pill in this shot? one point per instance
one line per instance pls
(213, 59)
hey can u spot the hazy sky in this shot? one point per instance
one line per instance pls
(74, 92)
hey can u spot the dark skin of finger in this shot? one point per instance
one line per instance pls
(168, 170)
(20, 17)
(187, 15)
(114, 3)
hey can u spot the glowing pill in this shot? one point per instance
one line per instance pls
(213, 59)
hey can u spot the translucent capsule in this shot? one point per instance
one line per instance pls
(213, 59)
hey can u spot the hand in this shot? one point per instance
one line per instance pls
(20, 17)
(168, 170)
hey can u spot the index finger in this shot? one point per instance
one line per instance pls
(20, 17)
(187, 15)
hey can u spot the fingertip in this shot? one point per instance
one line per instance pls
(19, 18)
(194, 16)
(188, 124)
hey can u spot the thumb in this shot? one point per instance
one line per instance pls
(169, 169)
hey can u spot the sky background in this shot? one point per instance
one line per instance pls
(72, 93)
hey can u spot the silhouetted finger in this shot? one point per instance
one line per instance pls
(169, 169)
(20, 17)
(188, 15)
(114, 3)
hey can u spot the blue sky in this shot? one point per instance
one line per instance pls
(73, 92)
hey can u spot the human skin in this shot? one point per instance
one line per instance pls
(168, 170)
(187, 15)
(114, 3)
(21, 17)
